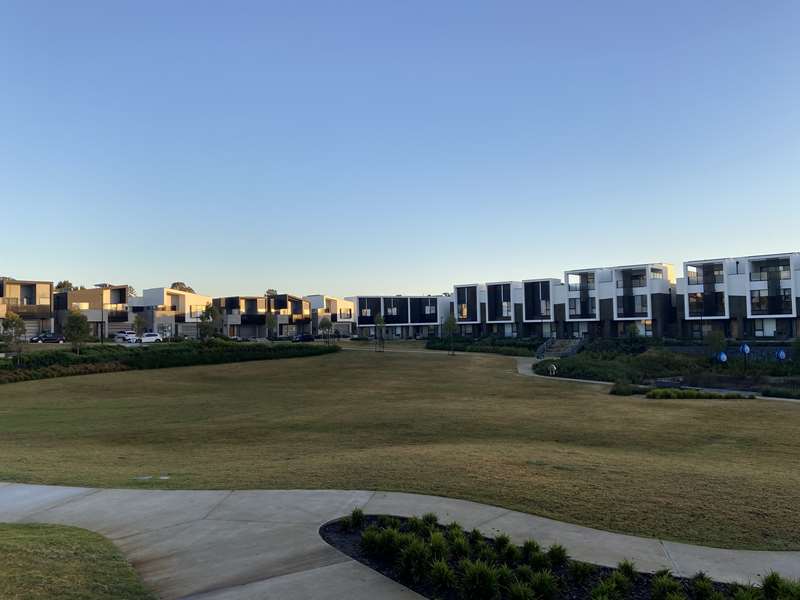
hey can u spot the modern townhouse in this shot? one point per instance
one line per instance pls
(340, 311)
(404, 317)
(504, 308)
(31, 300)
(104, 306)
(294, 314)
(742, 297)
(244, 316)
(469, 305)
(608, 301)
(543, 308)
(172, 313)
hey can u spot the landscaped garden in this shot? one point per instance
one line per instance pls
(445, 562)
(42, 562)
(641, 362)
(466, 426)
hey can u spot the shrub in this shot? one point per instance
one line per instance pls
(390, 542)
(475, 536)
(418, 527)
(623, 388)
(459, 546)
(777, 392)
(529, 548)
(430, 519)
(510, 554)
(478, 581)
(438, 545)
(628, 569)
(702, 587)
(442, 576)
(662, 586)
(684, 394)
(524, 573)
(414, 560)
(621, 583)
(452, 530)
(371, 541)
(606, 589)
(581, 571)
(557, 555)
(357, 519)
(544, 585)
(772, 586)
(746, 592)
(501, 542)
(483, 551)
(520, 591)
(505, 577)
(539, 561)
(385, 522)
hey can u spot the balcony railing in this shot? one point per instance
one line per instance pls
(700, 280)
(581, 287)
(765, 275)
(635, 283)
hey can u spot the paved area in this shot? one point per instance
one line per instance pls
(242, 545)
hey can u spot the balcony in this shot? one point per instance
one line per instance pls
(700, 280)
(635, 283)
(27, 311)
(783, 275)
(581, 287)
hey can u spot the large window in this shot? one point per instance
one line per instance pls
(760, 302)
(705, 274)
(575, 308)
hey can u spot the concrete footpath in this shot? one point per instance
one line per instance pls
(247, 545)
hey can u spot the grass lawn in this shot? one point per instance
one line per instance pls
(40, 562)
(721, 473)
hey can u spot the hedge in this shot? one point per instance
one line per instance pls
(42, 365)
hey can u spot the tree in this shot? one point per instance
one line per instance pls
(632, 331)
(139, 324)
(131, 291)
(272, 324)
(325, 326)
(181, 287)
(379, 324)
(209, 320)
(271, 292)
(76, 329)
(65, 285)
(13, 333)
(716, 342)
(449, 329)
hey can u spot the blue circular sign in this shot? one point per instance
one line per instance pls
(723, 358)
(780, 354)
(744, 349)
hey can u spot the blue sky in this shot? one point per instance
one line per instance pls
(391, 147)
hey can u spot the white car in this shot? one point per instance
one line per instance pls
(122, 336)
(149, 338)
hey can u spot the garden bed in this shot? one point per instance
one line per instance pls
(445, 562)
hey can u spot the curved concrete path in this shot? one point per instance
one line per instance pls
(245, 545)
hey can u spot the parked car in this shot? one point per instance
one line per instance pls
(303, 337)
(149, 338)
(121, 336)
(48, 338)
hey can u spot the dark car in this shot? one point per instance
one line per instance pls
(47, 338)
(303, 337)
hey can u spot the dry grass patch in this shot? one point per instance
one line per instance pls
(713, 472)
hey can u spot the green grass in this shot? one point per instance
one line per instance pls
(710, 472)
(40, 562)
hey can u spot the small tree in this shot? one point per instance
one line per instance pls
(13, 333)
(208, 322)
(379, 324)
(632, 331)
(272, 324)
(139, 324)
(181, 287)
(796, 349)
(716, 342)
(131, 291)
(65, 285)
(449, 329)
(76, 329)
(325, 326)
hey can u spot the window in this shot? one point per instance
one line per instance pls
(544, 308)
(345, 313)
(575, 308)
(391, 311)
(758, 327)
(366, 312)
(462, 311)
(506, 309)
(430, 309)
(648, 328)
(656, 274)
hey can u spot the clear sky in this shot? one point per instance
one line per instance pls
(391, 147)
